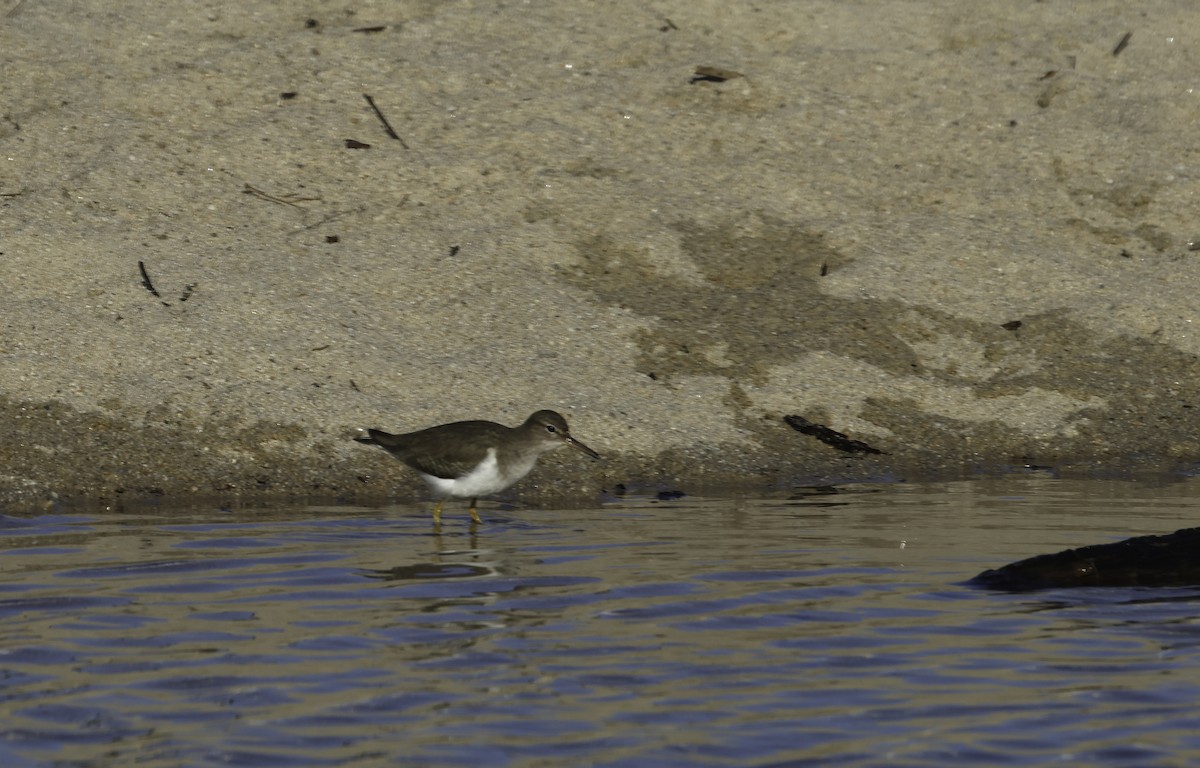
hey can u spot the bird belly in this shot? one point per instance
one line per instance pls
(485, 479)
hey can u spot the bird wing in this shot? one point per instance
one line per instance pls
(441, 451)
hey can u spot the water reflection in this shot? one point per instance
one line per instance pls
(420, 571)
(822, 626)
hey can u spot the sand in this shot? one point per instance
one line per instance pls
(961, 234)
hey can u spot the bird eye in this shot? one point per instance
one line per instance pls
(550, 428)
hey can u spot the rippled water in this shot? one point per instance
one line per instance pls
(826, 628)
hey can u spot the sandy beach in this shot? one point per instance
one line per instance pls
(962, 235)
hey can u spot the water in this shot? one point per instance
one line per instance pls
(830, 627)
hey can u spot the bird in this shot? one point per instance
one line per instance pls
(469, 459)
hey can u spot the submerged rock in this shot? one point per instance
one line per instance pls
(1171, 560)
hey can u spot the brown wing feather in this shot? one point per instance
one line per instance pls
(447, 451)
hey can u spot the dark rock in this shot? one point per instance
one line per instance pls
(1171, 560)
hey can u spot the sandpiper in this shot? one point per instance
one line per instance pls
(469, 459)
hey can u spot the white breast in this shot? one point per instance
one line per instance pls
(483, 480)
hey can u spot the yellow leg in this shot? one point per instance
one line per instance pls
(437, 512)
(474, 513)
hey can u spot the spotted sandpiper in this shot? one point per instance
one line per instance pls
(469, 459)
